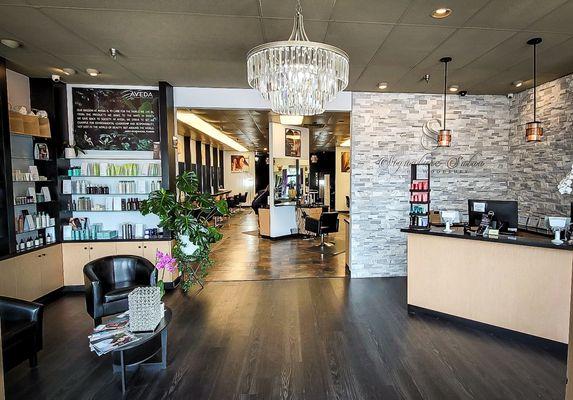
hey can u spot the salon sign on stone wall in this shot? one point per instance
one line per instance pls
(441, 164)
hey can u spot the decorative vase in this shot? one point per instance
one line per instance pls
(187, 246)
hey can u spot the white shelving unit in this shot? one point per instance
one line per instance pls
(113, 219)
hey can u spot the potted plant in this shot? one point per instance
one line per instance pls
(72, 150)
(185, 214)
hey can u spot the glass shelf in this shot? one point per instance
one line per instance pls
(47, 181)
(35, 203)
(35, 230)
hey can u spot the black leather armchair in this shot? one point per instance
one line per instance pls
(110, 279)
(21, 331)
(327, 223)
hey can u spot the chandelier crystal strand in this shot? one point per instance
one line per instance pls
(297, 76)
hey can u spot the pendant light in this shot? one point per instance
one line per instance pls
(534, 130)
(445, 135)
(297, 76)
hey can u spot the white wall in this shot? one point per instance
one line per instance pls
(245, 99)
(342, 182)
(18, 89)
(240, 182)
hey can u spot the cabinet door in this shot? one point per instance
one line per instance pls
(102, 249)
(129, 248)
(52, 269)
(149, 251)
(29, 281)
(75, 256)
(9, 278)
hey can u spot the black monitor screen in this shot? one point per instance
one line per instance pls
(505, 213)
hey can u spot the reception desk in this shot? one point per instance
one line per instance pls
(522, 284)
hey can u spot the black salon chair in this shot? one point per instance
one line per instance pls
(109, 280)
(327, 223)
(21, 331)
(243, 198)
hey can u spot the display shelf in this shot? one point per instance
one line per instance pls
(30, 250)
(47, 181)
(420, 190)
(35, 230)
(35, 203)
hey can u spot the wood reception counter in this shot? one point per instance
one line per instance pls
(522, 284)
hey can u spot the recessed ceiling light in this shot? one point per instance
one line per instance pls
(454, 88)
(517, 83)
(442, 12)
(13, 44)
(69, 71)
(291, 119)
(382, 85)
(92, 72)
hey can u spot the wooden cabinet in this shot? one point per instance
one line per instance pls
(102, 249)
(52, 269)
(32, 275)
(8, 280)
(76, 255)
(130, 248)
(149, 251)
(29, 281)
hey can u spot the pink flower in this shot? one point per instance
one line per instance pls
(165, 261)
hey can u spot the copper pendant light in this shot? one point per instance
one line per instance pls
(445, 135)
(534, 129)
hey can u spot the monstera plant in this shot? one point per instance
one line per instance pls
(186, 215)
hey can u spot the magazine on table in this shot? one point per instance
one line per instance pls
(112, 335)
(113, 342)
(121, 321)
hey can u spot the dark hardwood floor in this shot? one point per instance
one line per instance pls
(243, 255)
(320, 338)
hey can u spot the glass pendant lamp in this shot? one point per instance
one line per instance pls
(445, 135)
(534, 129)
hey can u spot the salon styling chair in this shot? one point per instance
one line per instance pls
(327, 223)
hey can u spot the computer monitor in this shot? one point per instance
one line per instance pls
(505, 213)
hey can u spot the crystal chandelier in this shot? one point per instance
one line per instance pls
(297, 76)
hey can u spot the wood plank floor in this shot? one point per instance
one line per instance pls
(320, 338)
(246, 256)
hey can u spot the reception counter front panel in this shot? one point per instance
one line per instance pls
(524, 288)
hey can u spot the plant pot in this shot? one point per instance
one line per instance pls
(187, 246)
(69, 152)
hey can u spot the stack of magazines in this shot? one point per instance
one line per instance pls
(112, 335)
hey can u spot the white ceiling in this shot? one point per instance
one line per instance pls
(204, 42)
